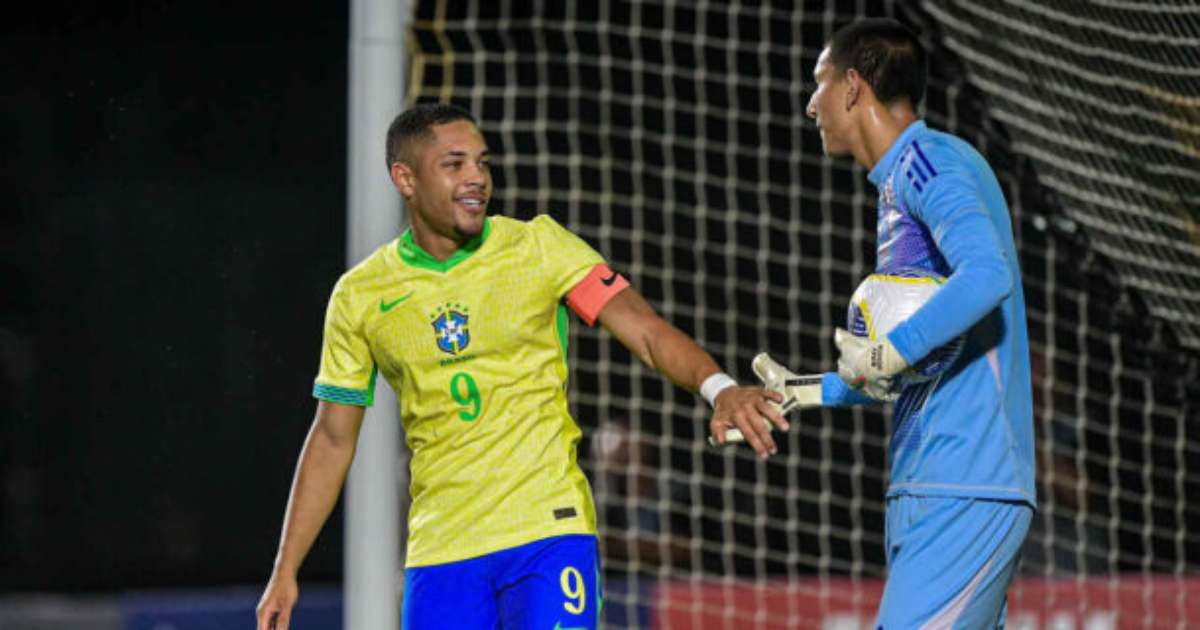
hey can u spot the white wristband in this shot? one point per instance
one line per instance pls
(714, 385)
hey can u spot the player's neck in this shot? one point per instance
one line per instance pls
(879, 127)
(436, 245)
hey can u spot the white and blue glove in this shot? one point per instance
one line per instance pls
(870, 367)
(799, 392)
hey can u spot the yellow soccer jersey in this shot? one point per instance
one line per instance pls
(475, 347)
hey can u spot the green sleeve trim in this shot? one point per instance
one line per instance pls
(563, 325)
(345, 395)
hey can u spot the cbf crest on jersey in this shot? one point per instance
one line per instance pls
(450, 328)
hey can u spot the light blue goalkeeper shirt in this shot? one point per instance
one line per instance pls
(968, 432)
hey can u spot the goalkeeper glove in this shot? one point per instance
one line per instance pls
(871, 367)
(799, 392)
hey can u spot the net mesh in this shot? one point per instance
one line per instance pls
(1104, 99)
(671, 136)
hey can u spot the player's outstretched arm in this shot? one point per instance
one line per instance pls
(665, 348)
(320, 473)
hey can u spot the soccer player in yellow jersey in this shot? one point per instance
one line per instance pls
(465, 316)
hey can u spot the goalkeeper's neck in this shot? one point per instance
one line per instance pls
(878, 127)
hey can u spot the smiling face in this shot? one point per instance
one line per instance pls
(830, 105)
(446, 183)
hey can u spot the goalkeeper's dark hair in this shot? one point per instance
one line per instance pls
(888, 56)
(416, 124)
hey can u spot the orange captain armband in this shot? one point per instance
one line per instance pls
(594, 291)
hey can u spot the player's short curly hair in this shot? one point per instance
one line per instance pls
(888, 56)
(416, 124)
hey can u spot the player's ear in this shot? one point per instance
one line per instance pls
(403, 178)
(854, 88)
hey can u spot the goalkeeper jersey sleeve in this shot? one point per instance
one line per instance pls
(953, 207)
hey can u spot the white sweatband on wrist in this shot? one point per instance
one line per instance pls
(714, 385)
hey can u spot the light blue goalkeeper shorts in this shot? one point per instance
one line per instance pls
(545, 585)
(950, 561)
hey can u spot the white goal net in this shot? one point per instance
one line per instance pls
(671, 136)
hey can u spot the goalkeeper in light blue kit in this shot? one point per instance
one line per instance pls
(961, 493)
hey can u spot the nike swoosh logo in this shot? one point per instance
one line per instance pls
(609, 280)
(387, 306)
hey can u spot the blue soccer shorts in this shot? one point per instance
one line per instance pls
(551, 584)
(950, 561)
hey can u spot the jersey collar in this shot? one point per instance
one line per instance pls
(885, 164)
(414, 256)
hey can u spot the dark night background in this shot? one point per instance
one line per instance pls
(174, 194)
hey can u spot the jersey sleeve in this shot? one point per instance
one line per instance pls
(950, 203)
(567, 259)
(347, 373)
